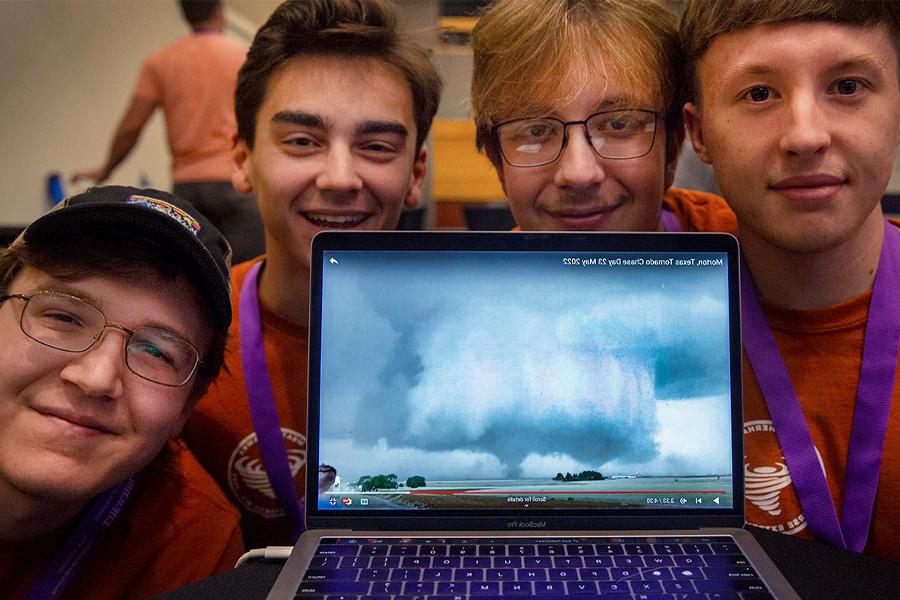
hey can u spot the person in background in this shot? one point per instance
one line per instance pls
(578, 107)
(333, 107)
(796, 105)
(114, 308)
(193, 80)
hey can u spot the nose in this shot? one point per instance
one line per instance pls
(99, 371)
(806, 129)
(339, 171)
(579, 165)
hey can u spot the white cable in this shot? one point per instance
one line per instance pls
(267, 553)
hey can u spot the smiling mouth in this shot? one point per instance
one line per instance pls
(809, 188)
(79, 423)
(592, 218)
(329, 221)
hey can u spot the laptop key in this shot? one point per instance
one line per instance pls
(508, 562)
(452, 587)
(594, 574)
(334, 587)
(598, 561)
(628, 561)
(517, 588)
(581, 587)
(537, 562)
(331, 575)
(730, 572)
(682, 587)
(581, 550)
(336, 550)
(437, 574)
(692, 561)
(500, 575)
(476, 562)
(446, 562)
(550, 550)
(374, 574)
(485, 588)
(570, 562)
(521, 550)
(492, 550)
(418, 587)
(727, 560)
(386, 587)
(550, 587)
(727, 585)
(433, 550)
(462, 550)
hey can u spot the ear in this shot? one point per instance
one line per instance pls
(417, 184)
(694, 124)
(241, 167)
(673, 149)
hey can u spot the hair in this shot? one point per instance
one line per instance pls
(348, 28)
(703, 20)
(198, 11)
(530, 55)
(116, 254)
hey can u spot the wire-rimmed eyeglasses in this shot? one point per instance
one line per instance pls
(71, 324)
(613, 134)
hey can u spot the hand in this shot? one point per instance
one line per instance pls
(98, 175)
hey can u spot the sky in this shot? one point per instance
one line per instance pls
(518, 366)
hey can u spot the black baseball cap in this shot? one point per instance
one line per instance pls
(158, 217)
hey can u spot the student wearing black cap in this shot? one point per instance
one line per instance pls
(114, 308)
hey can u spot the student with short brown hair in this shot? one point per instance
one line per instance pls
(796, 105)
(333, 107)
(578, 107)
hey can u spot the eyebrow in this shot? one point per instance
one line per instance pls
(369, 127)
(316, 122)
(299, 118)
(863, 61)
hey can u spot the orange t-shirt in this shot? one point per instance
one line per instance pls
(220, 431)
(193, 79)
(177, 528)
(822, 350)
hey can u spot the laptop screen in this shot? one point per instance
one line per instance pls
(506, 372)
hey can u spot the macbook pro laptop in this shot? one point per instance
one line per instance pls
(525, 414)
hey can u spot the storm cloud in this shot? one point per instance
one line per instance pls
(497, 374)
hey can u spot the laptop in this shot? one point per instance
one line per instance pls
(525, 414)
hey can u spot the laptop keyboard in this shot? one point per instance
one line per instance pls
(642, 568)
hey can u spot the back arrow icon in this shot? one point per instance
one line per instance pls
(333, 261)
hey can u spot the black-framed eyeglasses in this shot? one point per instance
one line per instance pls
(71, 324)
(614, 134)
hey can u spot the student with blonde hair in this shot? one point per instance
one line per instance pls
(578, 107)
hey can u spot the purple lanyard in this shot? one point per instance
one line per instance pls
(262, 403)
(870, 418)
(670, 221)
(93, 524)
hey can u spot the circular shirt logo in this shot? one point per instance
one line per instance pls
(771, 500)
(247, 475)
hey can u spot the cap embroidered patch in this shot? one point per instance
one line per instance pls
(172, 211)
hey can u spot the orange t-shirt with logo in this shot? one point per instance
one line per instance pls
(221, 434)
(177, 528)
(822, 350)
